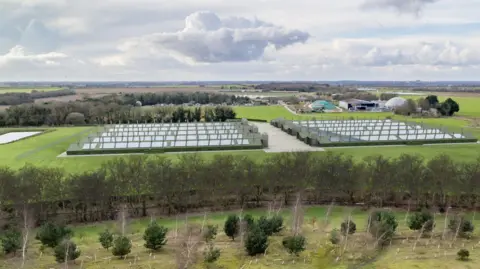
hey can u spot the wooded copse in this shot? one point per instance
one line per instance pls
(431, 102)
(179, 98)
(16, 98)
(90, 112)
(159, 184)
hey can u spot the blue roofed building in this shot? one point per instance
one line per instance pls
(322, 105)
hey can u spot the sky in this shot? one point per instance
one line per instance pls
(193, 40)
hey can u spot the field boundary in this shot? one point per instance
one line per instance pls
(42, 131)
(38, 149)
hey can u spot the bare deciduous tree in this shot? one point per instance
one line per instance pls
(187, 246)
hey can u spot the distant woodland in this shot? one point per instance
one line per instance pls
(123, 109)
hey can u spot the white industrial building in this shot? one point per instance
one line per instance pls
(395, 102)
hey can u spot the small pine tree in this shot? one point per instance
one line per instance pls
(334, 237)
(294, 244)
(210, 233)
(61, 251)
(155, 236)
(256, 241)
(211, 254)
(265, 225)
(249, 220)
(231, 227)
(121, 246)
(51, 235)
(106, 239)
(421, 219)
(463, 254)
(383, 225)
(11, 241)
(348, 226)
(277, 224)
(466, 226)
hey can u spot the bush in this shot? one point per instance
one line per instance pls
(270, 226)
(121, 246)
(265, 225)
(11, 241)
(466, 226)
(383, 225)
(248, 219)
(75, 118)
(155, 236)
(294, 244)
(66, 249)
(231, 227)
(51, 234)
(256, 241)
(463, 254)
(417, 220)
(210, 233)
(106, 239)
(277, 224)
(348, 226)
(334, 237)
(211, 254)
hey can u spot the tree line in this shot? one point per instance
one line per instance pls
(191, 183)
(427, 105)
(107, 110)
(17, 98)
(179, 98)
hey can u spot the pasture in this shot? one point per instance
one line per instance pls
(44, 149)
(27, 90)
(429, 252)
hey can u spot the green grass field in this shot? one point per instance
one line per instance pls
(27, 90)
(44, 149)
(430, 251)
(468, 105)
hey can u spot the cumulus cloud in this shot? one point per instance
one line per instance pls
(159, 40)
(208, 38)
(18, 55)
(446, 54)
(402, 6)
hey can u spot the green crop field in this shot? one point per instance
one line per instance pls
(429, 252)
(27, 90)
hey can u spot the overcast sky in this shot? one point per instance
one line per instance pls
(239, 40)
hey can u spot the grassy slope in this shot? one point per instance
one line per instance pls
(44, 149)
(86, 237)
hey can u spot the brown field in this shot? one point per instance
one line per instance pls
(99, 92)
(59, 99)
(152, 89)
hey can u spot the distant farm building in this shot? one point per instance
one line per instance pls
(322, 105)
(395, 102)
(359, 105)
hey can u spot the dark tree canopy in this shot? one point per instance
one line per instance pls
(232, 226)
(432, 100)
